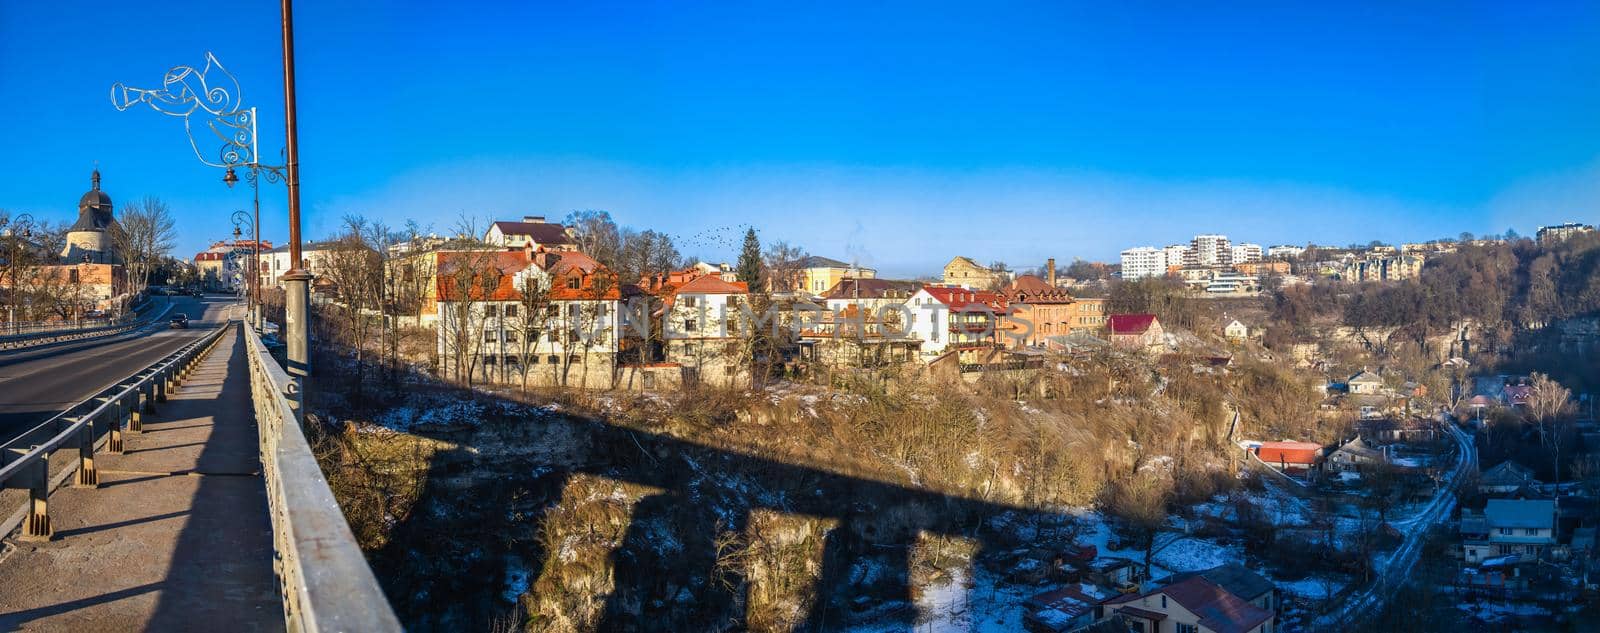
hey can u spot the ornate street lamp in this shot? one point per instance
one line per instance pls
(210, 97)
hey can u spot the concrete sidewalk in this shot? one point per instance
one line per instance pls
(177, 536)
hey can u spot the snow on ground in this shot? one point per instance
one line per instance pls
(1192, 554)
(971, 601)
(1496, 611)
(1313, 587)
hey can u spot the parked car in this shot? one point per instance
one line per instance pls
(180, 322)
(95, 314)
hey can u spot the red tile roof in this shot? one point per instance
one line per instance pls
(958, 298)
(563, 267)
(1131, 323)
(713, 285)
(1032, 289)
(1289, 452)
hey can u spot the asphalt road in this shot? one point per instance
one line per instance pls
(36, 384)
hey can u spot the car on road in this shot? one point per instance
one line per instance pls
(180, 322)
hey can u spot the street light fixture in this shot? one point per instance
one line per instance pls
(213, 94)
(24, 221)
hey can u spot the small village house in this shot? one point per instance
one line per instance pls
(1298, 458)
(1236, 331)
(1137, 331)
(1355, 455)
(1364, 383)
(1237, 580)
(1505, 478)
(1192, 605)
(1068, 608)
(1525, 527)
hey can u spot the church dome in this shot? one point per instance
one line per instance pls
(94, 208)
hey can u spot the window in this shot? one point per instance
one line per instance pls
(511, 336)
(690, 302)
(491, 310)
(511, 310)
(1185, 628)
(1506, 531)
(690, 325)
(490, 336)
(572, 283)
(1163, 601)
(1530, 532)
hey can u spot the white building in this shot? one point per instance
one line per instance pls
(1179, 255)
(1243, 253)
(1143, 261)
(1212, 250)
(532, 231)
(943, 317)
(274, 263)
(1559, 232)
(1285, 251)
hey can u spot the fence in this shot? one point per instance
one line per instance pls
(25, 460)
(43, 336)
(324, 578)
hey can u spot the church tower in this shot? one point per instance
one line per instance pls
(90, 236)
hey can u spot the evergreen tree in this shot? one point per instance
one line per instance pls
(751, 270)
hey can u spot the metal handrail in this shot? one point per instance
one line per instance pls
(325, 582)
(25, 459)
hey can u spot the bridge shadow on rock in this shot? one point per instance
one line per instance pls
(491, 523)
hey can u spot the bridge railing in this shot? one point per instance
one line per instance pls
(119, 409)
(324, 578)
(12, 340)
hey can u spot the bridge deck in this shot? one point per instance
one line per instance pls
(177, 536)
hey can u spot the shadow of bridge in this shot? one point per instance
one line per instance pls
(699, 492)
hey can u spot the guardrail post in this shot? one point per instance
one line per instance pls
(36, 480)
(88, 477)
(141, 404)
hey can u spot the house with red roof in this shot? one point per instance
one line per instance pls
(1192, 605)
(704, 327)
(555, 316)
(1290, 457)
(1137, 331)
(952, 317)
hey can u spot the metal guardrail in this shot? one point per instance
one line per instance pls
(324, 579)
(119, 409)
(16, 341)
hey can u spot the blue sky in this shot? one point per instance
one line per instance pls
(897, 134)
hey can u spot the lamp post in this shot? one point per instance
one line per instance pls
(211, 97)
(252, 294)
(25, 223)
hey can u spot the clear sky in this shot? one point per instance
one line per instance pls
(896, 134)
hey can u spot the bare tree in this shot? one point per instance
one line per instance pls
(533, 317)
(1550, 408)
(143, 235)
(784, 272)
(596, 235)
(466, 283)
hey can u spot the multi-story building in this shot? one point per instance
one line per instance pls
(704, 327)
(532, 232)
(1087, 315)
(817, 274)
(1040, 311)
(1142, 262)
(1244, 253)
(952, 317)
(1285, 251)
(1559, 232)
(555, 316)
(1389, 267)
(274, 262)
(1211, 250)
(967, 273)
(1178, 254)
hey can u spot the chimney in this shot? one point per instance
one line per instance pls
(1050, 272)
(533, 219)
